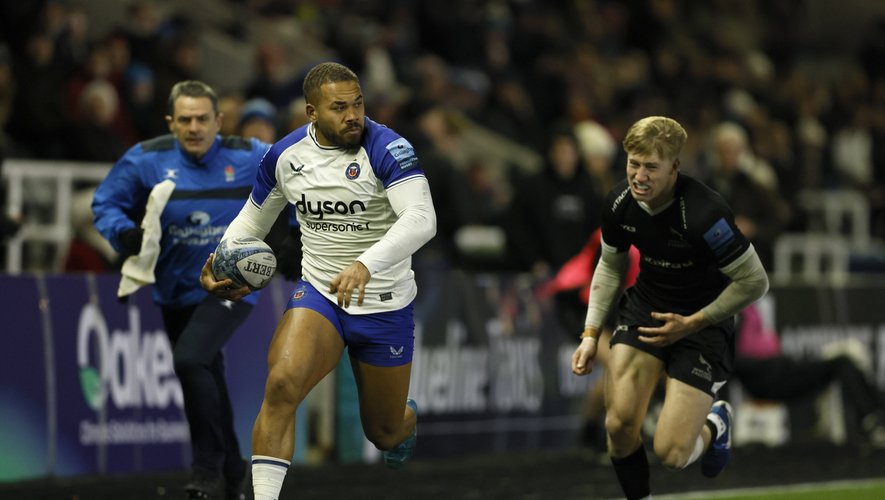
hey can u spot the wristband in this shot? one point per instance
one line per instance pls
(585, 335)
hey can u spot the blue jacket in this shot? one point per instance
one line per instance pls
(209, 193)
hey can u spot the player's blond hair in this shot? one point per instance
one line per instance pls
(655, 134)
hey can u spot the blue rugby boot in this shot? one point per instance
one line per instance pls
(397, 456)
(719, 451)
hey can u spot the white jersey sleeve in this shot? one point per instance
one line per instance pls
(415, 225)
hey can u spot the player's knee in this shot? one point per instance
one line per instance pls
(672, 456)
(282, 389)
(384, 437)
(617, 426)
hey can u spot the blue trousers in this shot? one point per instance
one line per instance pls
(198, 334)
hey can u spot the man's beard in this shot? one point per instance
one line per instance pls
(339, 141)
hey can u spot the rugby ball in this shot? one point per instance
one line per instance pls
(246, 260)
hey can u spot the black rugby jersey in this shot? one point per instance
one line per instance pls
(682, 248)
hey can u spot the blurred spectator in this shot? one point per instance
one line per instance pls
(598, 150)
(510, 111)
(480, 211)
(88, 250)
(296, 115)
(7, 96)
(766, 373)
(273, 79)
(429, 78)
(230, 105)
(553, 212)
(100, 66)
(513, 71)
(92, 137)
(119, 55)
(852, 149)
(138, 93)
(447, 187)
(182, 62)
(38, 117)
(141, 27)
(97, 66)
(68, 24)
(9, 225)
(258, 119)
(757, 211)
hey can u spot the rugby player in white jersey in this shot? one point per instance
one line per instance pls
(364, 207)
(676, 322)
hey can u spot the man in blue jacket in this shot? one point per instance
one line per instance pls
(213, 177)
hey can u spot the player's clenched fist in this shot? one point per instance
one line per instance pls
(582, 359)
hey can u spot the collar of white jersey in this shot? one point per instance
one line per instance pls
(311, 131)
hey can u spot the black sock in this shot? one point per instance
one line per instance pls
(633, 474)
(714, 433)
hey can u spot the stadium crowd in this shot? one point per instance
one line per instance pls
(510, 103)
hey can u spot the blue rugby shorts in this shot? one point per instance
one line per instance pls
(377, 339)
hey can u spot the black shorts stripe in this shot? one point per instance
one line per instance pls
(212, 194)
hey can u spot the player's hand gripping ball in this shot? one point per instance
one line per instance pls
(246, 260)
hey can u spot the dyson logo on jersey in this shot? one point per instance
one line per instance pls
(320, 208)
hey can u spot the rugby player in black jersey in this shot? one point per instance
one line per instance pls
(677, 321)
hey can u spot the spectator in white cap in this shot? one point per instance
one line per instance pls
(598, 150)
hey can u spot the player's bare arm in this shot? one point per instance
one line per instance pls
(353, 277)
(606, 283)
(221, 289)
(675, 328)
(582, 359)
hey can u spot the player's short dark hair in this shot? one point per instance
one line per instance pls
(192, 88)
(323, 73)
(656, 134)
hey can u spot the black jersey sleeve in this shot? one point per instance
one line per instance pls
(715, 225)
(613, 232)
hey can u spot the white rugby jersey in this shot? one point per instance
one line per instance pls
(343, 208)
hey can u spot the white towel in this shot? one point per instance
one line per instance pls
(138, 270)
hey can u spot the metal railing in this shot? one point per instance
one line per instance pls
(41, 192)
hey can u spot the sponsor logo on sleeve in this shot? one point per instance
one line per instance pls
(403, 153)
(719, 237)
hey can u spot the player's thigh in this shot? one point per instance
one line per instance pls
(603, 348)
(304, 349)
(630, 381)
(382, 393)
(682, 417)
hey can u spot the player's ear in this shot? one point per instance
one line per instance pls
(676, 163)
